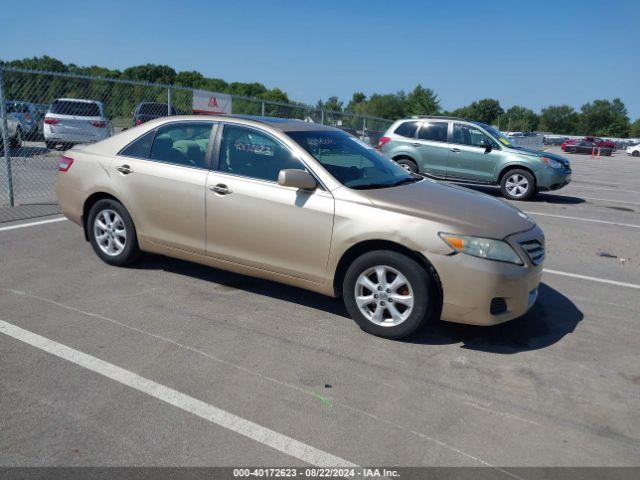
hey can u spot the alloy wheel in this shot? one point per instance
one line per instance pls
(517, 185)
(110, 232)
(384, 296)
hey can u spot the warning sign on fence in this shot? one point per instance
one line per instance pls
(211, 103)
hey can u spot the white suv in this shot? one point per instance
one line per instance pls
(70, 121)
(634, 150)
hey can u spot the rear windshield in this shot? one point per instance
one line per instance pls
(78, 109)
(159, 109)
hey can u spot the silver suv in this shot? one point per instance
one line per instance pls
(460, 150)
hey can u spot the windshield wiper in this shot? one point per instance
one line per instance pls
(404, 181)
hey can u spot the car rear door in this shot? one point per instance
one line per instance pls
(431, 142)
(161, 180)
(469, 159)
(253, 221)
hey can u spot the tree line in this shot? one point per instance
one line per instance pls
(607, 118)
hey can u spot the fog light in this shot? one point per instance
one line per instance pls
(498, 306)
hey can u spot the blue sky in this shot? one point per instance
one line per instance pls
(533, 53)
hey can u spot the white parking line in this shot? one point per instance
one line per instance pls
(573, 185)
(593, 279)
(215, 415)
(592, 220)
(32, 224)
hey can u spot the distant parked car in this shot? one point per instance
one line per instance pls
(70, 121)
(599, 142)
(13, 134)
(146, 111)
(459, 150)
(25, 114)
(567, 142)
(588, 147)
(634, 150)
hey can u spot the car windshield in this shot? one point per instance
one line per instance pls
(351, 161)
(498, 135)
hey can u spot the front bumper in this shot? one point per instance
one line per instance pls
(470, 285)
(552, 179)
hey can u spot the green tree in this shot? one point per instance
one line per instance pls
(190, 79)
(560, 119)
(519, 119)
(486, 110)
(422, 101)
(332, 104)
(634, 129)
(151, 73)
(604, 118)
(390, 105)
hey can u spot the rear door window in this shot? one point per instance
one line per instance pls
(182, 144)
(434, 131)
(76, 109)
(141, 147)
(407, 129)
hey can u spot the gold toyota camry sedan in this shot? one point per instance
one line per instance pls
(310, 206)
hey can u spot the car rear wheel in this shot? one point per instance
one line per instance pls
(389, 294)
(112, 233)
(518, 185)
(408, 164)
(16, 142)
(572, 150)
(636, 153)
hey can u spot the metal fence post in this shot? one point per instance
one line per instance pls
(364, 128)
(321, 116)
(168, 101)
(5, 137)
(263, 108)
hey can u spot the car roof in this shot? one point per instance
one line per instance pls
(282, 124)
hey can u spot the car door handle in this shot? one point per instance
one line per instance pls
(220, 189)
(455, 150)
(416, 144)
(124, 169)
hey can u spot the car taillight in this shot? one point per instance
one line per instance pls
(99, 124)
(51, 121)
(64, 164)
(382, 141)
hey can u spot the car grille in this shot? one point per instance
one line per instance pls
(534, 249)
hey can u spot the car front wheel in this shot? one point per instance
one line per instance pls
(389, 294)
(409, 165)
(518, 185)
(112, 233)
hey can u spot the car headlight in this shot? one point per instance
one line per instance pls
(482, 247)
(550, 162)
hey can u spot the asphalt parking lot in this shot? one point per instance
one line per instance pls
(169, 363)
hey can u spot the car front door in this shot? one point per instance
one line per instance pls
(431, 142)
(161, 180)
(254, 221)
(469, 159)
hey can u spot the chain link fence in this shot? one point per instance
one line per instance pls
(44, 113)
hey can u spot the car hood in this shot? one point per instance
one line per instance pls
(463, 210)
(541, 153)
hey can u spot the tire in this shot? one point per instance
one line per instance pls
(513, 182)
(16, 142)
(572, 150)
(50, 145)
(635, 154)
(408, 164)
(117, 248)
(417, 284)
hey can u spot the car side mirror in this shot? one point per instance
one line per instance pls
(488, 147)
(293, 177)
